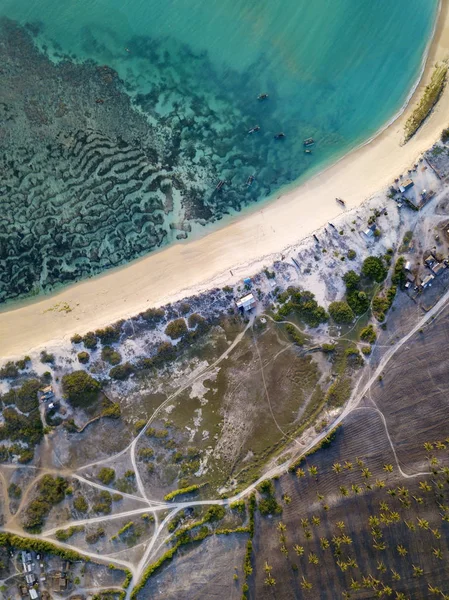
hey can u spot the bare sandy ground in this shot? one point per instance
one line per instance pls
(243, 246)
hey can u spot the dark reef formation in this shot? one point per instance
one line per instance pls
(94, 172)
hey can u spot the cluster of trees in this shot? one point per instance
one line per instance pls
(80, 389)
(268, 504)
(113, 357)
(303, 303)
(11, 369)
(24, 397)
(50, 491)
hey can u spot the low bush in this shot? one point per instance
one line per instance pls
(83, 357)
(106, 475)
(90, 340)
(368, 334)
(122, 372)
(176, 329)
(110, 355)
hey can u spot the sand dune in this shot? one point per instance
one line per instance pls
(243, 245)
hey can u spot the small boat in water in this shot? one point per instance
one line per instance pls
(220, 184)
(250, 180)
(340, 201)
(306, 151)
(309, 142)
(262, 96)
(279, 136)
(254, 129)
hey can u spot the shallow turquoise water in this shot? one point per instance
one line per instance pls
(336, 70)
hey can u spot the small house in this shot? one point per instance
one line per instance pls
(33, 594)
(438, 268)
(246, 303)
(427, 281)
(46, 393)
(408, 266)
(406, 185)
(430, 261)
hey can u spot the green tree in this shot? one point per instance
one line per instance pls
(373, 268)
(341, 312)
(80, 388)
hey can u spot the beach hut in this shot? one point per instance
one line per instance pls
(246, 303)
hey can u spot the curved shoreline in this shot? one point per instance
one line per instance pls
(244, 245)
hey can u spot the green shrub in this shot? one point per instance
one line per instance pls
(200, 323)
(297, 337)
(327, 348)
(51, 491)
(399, 276)
(303, 303)
(352, 280)
(25, 397)
(368, 334)
(14, 491)
(121, 372)
(76, 339)
(106, 475)
(351, 254)
(153, 315)
(146, 454)
(181, 491)
(83, 357)
(80, 389)
(109, 335)
(80, 504)
(110, 355)
(341, 312)
(90, 340)
(47, 358)
(63, 535)
(139, 425)
(176, 329)
(22, 364)
(9, 371)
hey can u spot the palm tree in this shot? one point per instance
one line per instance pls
(313, 470)
(381, 567)
(305, 523)
(400, 596)
(423, 523)
(336, 467)
(298, 549)
(286, 498)
(356, 488)
(316, 521)
(348, 465)
(379, 483)
(388, 468)
(340, 525)
(306, 585)
(300, 473)
(440, 445)
(395, 575)
(417, 571)
(355, 585)
(313, 558)
(281, 526)
(424, 486)
(284, 550)
(343, 490)
(267, 568)
(428, 446)
(435, 590)
(437, 553)
(269, 580)
(366, 473)
(359, 462)
(402, 550)
(324, 543)
(410, 525)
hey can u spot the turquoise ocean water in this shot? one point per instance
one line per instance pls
(336, 70)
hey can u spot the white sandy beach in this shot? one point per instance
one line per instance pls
(243, 246)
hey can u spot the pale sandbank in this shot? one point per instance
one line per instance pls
(243, 246)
